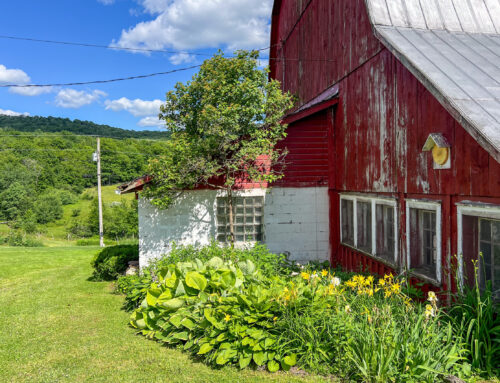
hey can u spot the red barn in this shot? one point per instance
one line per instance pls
(398, 115)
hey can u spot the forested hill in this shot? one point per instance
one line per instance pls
(56, 124)
(33, 165)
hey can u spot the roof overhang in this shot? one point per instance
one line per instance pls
(325, 100)
(133, 186)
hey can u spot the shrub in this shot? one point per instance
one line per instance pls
(20, 239)
(111, 262)
(88, 242)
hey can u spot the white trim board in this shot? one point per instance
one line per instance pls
(425, 205)
(473, 209)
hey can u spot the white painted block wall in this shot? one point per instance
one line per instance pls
(295, 221)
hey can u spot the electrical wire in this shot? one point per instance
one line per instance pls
(100, 81)
(91, 45)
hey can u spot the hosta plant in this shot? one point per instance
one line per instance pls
(222, 312)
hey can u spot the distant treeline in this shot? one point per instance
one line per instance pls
(32, 168)
(56, 124)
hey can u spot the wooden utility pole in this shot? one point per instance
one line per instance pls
(99, 192)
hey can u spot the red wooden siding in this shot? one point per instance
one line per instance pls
(376, 131)
(316, 43)
(307, 143)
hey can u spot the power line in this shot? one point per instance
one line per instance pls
(91, 45)
(100, 81)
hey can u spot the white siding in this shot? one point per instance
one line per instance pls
(295, 221)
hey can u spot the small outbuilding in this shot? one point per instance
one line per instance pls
(394, 145)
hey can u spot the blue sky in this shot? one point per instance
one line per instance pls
(184, 26)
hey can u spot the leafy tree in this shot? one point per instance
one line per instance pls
(225, 125)
(14, 201)
(48, 208)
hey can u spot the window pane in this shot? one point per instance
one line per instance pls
(247, 219)
(423, 242)
(347, 222)
(364, 212)
(385, 232)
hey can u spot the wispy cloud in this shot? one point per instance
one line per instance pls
(8, 112)
(135, 107)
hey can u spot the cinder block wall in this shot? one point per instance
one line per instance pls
(295, 222)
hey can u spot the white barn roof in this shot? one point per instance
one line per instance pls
(453, 48)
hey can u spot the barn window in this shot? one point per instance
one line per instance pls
(386, 227)
(247, 219)
(370, 225)
(364, 223)
(423, 235)
(479, 240)
(347, 224)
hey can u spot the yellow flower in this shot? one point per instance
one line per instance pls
(432, 297)
(395, 288)
(369, 292)
(388, 293)
(351, 284)
(285, 289)
(388, 276)
(381, 282)
(369, 280)
(227, 318)
(324, 273)
(275, 319)
(305, 276)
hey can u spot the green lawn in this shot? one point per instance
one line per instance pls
(55, 326)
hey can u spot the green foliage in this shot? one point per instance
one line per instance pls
(476, 317)
(48, 208)
(60, 166)
(111, 262)
(229, 310)
(222, 122)
(17, 238)
(219, 311)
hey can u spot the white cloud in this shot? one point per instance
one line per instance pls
(31, 91)
(151, 121)
(191, 24)
(106, 2)
(181, 58)
(135, 107)
(19, 77)
(71, 98)
(13, 76)
(8, 112)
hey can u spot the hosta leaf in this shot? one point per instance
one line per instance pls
(183, 335)
(273, 366)
(268, 342)
(290, 360)
(196, 280)
(245, 361)
(152, 295)
(259, 358)
(173, 304)
(188, 323)
(215, 263)
(176, 320)
(171, 281)
(141, 324)
(205, 348)
(228, 279)
(165, 296)
(221, 359)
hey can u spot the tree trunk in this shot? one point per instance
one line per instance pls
(230, 215)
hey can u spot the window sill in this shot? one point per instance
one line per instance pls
(374, 257)
(425, 278)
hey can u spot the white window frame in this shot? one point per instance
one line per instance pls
(473, 209)
(430, 206)
(374, 202)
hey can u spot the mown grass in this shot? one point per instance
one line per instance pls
(56, 326)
